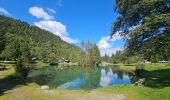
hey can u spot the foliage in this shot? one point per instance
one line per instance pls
(18, 49)
(82, 59)
(123, 57)
(106, 58)
(45, 45)
(94, 53)
(118, 57)
(136, 59)
(90, 55)
(145, 24)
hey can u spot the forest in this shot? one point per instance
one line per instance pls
(41, 42)
(37, 64)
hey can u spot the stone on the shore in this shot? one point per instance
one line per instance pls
(140, 82)
(45, 87)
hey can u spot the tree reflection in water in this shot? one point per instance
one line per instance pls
(83, 78)
(109, 78)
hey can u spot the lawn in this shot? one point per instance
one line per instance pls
(139, 93)
(157, 88)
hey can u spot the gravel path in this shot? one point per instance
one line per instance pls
(94, 95)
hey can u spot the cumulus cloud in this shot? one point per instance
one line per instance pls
(106, 44)
(109, 51)
(40, 13)
(103, 43)
(4, 12)
(52, 26)
(56, 28)
(48, 23)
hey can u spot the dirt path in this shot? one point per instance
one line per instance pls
(91, 96)
(33, 92)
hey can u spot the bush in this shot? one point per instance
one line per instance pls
(21, 68)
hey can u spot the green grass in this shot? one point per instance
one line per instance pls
(139, 93)
(158, 87)
(126, 66)
(149, 67)
(8, 70)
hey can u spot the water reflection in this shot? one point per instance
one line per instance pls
(73, 85)
(106, 77)
(109, 78)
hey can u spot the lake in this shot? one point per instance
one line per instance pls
(75, 78)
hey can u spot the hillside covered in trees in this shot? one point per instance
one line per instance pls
(44, 45)
(24, 43)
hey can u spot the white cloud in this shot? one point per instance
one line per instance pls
(40, 13)
(103, 43)
(109, 51)
(53, 26)
(56, 28)
(4, 12)
(106, 44)
(49, 24)
(51, 10)
(69, 40)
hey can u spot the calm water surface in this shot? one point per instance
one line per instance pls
(103, 77)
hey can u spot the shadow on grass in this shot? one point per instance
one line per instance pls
(3, 68)
(129, 65)
(10, 82)
(157, 78)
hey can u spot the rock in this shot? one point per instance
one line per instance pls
(140, 82)
(45, 87)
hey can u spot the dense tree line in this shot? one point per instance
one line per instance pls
(145, 24)
(90, 56)
(124, 58)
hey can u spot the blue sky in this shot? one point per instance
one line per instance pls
(72, 20)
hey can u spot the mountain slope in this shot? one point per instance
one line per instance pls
(43, 40)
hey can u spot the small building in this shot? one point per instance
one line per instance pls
(163, 61)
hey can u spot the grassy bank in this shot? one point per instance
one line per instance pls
(139, 93)
(149, 67)
(32, 92)
(157, 89)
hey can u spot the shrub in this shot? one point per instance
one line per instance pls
(21, 68)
